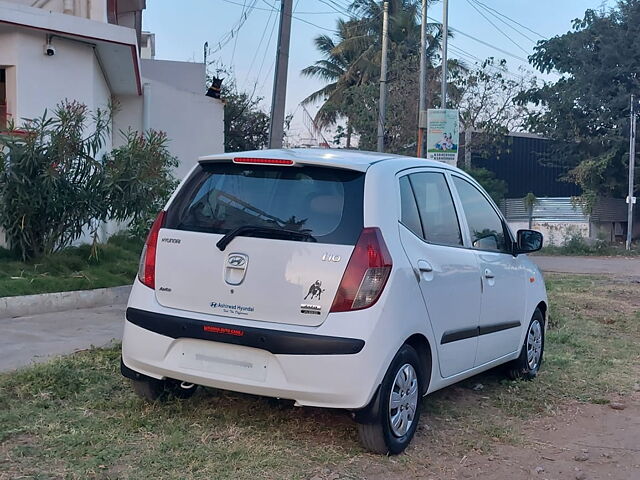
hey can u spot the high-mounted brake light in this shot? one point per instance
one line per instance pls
(263, 161)
(366, 274)
(147, 268)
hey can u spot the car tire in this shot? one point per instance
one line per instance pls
(527, 365)
(389, 427)
(152, 389)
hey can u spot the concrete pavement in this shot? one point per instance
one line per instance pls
(620, 266)
(36, 338)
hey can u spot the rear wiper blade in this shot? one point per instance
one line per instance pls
(272, 232)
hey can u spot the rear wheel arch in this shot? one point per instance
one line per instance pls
(421, 345)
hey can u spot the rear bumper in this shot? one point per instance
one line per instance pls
(313, 370)
(274, 341)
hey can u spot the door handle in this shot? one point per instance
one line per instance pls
(424, 266)
(488, 274)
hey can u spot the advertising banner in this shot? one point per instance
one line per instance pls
(443, 135)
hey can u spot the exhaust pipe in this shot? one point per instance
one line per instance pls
(186, 385)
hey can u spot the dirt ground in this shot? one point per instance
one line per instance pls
(582, 442)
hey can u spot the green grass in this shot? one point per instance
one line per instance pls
(76, 417)
(74, 268)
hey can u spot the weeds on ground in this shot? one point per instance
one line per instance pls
(576, 244)
(75, 268)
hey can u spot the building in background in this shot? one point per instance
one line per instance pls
(525, 164)
(94, 51)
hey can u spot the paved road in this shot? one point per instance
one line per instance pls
(626, 267)
(25, 340)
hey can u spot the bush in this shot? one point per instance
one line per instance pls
(50, 182)
(55, 183)
(139, 179)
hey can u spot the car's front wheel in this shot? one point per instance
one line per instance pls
(527, 365)
(395, 413)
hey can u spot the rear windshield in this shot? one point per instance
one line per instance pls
(323, 202)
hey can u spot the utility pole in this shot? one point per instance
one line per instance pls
(632, 160)
(445, 41)
(422, 104)
(276, 127)
(206, 49)
(382, 106)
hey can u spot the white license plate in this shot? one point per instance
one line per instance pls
(228, 360)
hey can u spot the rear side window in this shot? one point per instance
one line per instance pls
(220, 197)
(410, 217)
(435, 208)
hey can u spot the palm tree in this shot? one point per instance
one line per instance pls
(346, 64)
(353, 58)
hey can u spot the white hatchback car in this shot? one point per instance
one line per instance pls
(333, 278)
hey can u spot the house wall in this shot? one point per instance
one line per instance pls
(177, 105)
(555, 233)
(37, 82)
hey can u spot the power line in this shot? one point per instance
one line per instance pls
(504, 22)
(235, 42)
(227, 37)
(497, 28)
(478, 60)
(336, 7)
(487, 44)
(511, 19)
(271, 9)
(264, 32)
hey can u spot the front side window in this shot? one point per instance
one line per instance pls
(436, 211)
(485, 226)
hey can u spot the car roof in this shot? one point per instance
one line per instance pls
(328, 157)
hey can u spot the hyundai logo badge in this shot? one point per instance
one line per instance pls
(237, 261)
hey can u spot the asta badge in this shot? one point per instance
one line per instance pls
(315, 290)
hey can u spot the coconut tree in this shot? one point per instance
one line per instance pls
(346, 63)
(351, 60)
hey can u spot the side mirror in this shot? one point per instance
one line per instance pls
(528, 241)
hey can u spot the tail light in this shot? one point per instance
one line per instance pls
(147, 268)
(366, 274)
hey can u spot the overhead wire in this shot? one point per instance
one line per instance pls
(271, 9)
(496, 27)
(504, 22)
(257, 50)
(235, 42)
(471, 57)
(497, 12)
(487, 44)
(227, 37)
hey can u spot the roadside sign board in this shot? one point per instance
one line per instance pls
(443, 135)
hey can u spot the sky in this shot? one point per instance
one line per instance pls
(247, 46)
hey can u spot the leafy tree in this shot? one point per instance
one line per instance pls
(587, 109)
(486, 97)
